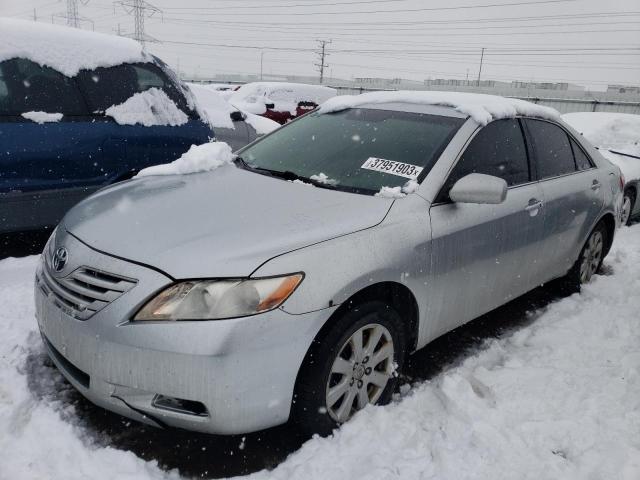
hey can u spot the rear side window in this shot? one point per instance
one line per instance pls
(105, 87)
(582, 161)
(26, 86)
(499, 150)
(553, 151)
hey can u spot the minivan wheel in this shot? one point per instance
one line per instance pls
(590, 260)
(354, 364)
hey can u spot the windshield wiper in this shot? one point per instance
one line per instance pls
(285, 175)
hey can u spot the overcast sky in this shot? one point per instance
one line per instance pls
(589, 42)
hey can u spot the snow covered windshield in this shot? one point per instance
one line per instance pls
(357, 150)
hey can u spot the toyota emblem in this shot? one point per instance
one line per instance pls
(59, 259)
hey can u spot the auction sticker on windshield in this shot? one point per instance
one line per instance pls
(392, 167)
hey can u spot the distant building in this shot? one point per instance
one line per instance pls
(623, 89)
(451, 82)
(549, 86)
(395, 83)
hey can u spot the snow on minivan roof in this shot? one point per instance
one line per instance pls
(67, 50)
(481, 107)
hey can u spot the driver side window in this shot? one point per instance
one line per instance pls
(499, 150)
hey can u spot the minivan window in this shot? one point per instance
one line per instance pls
(108, 86)
(498, 150)
(582, 161)
(554, 156)
(26, 86)
(339, 144)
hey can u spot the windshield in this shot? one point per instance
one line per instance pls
(358, 150)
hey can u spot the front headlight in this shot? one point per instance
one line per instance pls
(218, 299)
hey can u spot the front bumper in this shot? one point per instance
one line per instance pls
(242, 370)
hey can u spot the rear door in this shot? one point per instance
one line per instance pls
(51, 152)
(485, 255)
(573, 193)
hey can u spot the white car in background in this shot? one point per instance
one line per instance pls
(617, 136)
(280, 101)
(235, 127)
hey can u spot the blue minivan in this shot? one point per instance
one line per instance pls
(58, 143)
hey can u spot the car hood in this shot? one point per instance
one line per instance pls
(223, 223)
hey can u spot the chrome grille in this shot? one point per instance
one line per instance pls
(84, 291)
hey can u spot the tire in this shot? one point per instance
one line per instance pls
(628, 203)
(590, 260)
(354, 377)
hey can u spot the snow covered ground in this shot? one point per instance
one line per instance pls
(556, 399)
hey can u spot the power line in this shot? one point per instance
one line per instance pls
(401, 10)
(140, 9)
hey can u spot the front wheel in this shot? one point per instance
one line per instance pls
(352, 365)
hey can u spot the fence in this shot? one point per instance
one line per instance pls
(562, 104)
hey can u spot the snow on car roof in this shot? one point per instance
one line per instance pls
(482, 108)
(297, 92)
(67, 50)
(608, 129)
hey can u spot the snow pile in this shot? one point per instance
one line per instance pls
(218, 110)
(611, 132)
(67, 50)
(398, 192)
(149, 108)
(324, 178)
(253, 97)
(482, 108)
(558, 399)
(199, 158)
(42, 117)
(615, 131)
(215, 108)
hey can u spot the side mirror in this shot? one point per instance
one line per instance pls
(237, 116)
(270, 106)
(479, 188)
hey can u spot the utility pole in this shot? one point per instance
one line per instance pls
(73, 19)
(467, 80)
(35, 17)
(140, 9)
(480, 69)
(322, 54)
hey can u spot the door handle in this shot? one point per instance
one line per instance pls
(533, 206)
(595, 186)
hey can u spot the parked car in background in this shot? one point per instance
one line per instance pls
(230, 124)
(617, 136)
(73, 120)
(293, 283)
(280, 101)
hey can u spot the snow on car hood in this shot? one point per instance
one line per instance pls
(223, 223)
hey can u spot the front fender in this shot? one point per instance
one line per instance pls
(397, 250)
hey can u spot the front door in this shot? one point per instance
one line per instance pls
(485, 255)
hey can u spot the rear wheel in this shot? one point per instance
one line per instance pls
(352, 365)
(590, 260)
(628, 201)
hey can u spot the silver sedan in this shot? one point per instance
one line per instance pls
(294, 283)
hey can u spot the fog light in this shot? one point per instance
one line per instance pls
(178, 405)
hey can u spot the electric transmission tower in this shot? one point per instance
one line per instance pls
(72, 17)
(322, 54)
(140, 9)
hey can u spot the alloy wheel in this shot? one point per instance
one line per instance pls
(591, 256)
(360, 372)
(626, 210)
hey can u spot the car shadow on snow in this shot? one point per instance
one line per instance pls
(210, 456)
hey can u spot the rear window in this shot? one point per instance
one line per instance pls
(105, 87)
(554, 156)
(357, 150)
(26, 86)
